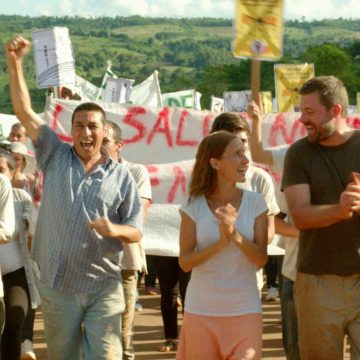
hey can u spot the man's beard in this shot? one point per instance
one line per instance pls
(324, 130)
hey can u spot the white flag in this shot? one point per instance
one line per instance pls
(148, 92)
(108, 74)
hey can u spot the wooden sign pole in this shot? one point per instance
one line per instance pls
(255, 79)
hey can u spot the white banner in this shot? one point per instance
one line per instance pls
(148, 92)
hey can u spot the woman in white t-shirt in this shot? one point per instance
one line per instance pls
(223, 238)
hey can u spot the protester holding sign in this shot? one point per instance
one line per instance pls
(324, 201)
(90, 206)
(223, 240)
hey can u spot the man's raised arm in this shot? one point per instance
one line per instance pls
(16, 50)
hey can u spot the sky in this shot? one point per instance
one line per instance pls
(294, 9)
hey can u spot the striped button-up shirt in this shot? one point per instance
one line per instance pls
(72, 257)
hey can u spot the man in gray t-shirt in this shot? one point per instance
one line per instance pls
(324, 201)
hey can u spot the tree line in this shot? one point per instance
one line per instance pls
(188, 53)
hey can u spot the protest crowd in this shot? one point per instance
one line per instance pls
(83, 218)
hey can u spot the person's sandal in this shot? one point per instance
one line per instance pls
(168, 346)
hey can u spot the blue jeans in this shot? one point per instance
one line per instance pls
(289, 320)
(88, 324)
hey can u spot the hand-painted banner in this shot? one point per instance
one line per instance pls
(189, 99)
(258, 29)
(166, 140)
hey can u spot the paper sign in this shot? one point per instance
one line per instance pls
(258, 29)
(217, 104)
(288, 80)
(237, 101)
(266, 99)
(54, 60)
(118, 90)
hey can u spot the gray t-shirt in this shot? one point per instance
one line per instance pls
(327, 170)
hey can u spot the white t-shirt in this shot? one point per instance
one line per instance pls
(225, 284)
(133, 254)
(291, 244)
(7, 215)
(258, 180)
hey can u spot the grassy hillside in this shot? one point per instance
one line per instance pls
(189, 53)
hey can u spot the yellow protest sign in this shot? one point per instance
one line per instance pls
(288, 80)
(258, 29)
(358, 102)
(266, 100)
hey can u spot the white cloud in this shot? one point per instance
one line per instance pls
(310, 9)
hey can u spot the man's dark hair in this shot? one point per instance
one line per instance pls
(89, 106)
(117, 131)
(231, 122)
(331, 91)
(17, 125)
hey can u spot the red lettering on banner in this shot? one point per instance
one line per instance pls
(58, 109)
(180, 180)
(153, 169)
(129, 119)
(354, 122)
(179, 140)
(206, 125)
(279, 125)
(163, 117)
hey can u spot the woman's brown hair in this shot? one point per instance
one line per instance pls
(203, 178)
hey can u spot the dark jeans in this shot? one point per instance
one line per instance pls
(289, 320)
(273, 271)
(170, 274)
(2, 316)
(150, 277)
(28, 329)
(17, 303)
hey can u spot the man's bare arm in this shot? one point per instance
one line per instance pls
(16, 50)
(307, 216)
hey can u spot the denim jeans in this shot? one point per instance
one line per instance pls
(289, 320)
(88, 324)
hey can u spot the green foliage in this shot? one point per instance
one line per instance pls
(188, 53)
